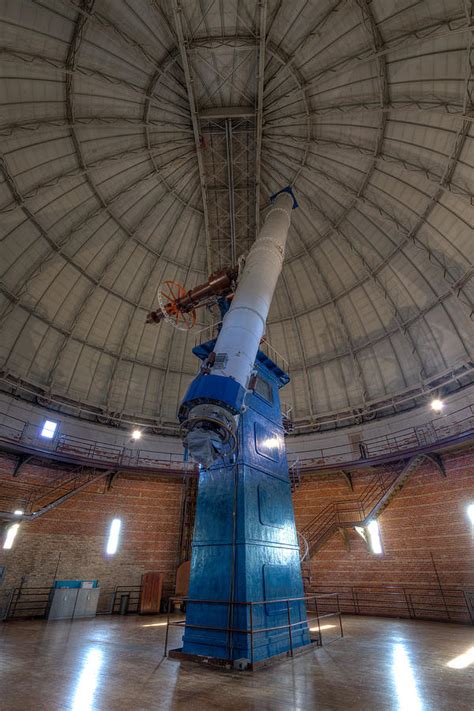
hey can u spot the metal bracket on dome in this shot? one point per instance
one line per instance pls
(347, 478)
(290, 192)
(437, 460)
(20, 463)
(111, 479)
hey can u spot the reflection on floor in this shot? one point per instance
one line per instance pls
(116, 663)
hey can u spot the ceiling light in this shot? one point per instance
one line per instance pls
(49, 428)
(136, 434)
(437, 404)
(470, 513)
(18, 512)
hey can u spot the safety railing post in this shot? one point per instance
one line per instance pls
(320, 635)
(251, 634)
(356, 601)
(406, 602)
(468, 606)
(290, 633)
(339, 613)
(167, 628)
(9, 605)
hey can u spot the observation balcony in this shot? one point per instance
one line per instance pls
(22, 436)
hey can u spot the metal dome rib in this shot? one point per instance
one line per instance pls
(118, 120)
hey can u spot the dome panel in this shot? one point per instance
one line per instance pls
(124, 148)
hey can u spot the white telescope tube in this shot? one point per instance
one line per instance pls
(244, 324)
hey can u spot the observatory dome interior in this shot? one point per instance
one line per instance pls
(141, 142)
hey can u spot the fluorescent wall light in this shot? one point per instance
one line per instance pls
(10, 537)
(374, 537)
(114, 532)
(49, 428)
(470, 513)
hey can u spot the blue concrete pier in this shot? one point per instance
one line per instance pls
(245, 546)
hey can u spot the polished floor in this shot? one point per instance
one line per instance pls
(116, 663)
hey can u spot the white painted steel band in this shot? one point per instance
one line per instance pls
(244, 323)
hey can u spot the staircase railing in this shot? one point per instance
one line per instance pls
(294, 472)
(347, 513)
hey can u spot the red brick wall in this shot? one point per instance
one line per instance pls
(427, 516)
(75, 533)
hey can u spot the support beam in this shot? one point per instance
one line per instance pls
(347, 476)
(438, 461)
(230, 183)
(182, 44)
(9, 516)
(20, 463)
(262, 29)
(227, 112)
(344, 533)
(112, 478)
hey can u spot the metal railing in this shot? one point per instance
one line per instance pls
(407, 601)
(210, 333)
(28, 602)
(253, 630)
(348, 512)
(17, 431)
(134, 592)
(33, 602)
(294, 472)
(446, 429)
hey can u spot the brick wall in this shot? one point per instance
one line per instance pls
(69, 542)
(427, 516)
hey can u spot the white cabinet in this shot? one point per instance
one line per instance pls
(71, 603)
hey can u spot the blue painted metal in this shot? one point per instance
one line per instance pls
(203, 350)
(224, 305)
(288, 190)
(245, 546)
(75, 583)
(215, 389)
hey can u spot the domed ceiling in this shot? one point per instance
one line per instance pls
(140, 142)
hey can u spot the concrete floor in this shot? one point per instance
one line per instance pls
(116, 663)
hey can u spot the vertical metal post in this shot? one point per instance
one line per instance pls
(18, 595)
(57, 567)
(319, 624)
(167, 628)
(406, 602)
(340, 616)
(230, 181)
(290, 633)
(440, 588)
(356, 601)
(469, 608)
(75, 604)
(8, 605)
(251, 634)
